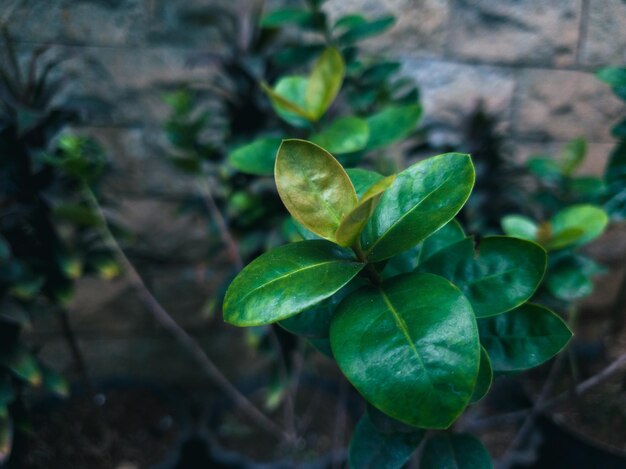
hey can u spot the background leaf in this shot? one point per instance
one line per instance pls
(392, 125)
(344, 135)
(257, 157)
(446, 451)
(324, 82)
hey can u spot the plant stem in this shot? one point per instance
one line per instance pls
(222, 225)
(181, 336)
(370, 270)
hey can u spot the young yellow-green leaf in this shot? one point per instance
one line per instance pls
(520, 227)
(504, 274)
(324, 82)
(287, 280)
(406, 344)
(392, 125)
(288, 100)
(450, 233)
(354, 222)
(421, 200)
(576, 225)
(523, 338)
(313, 186)
(257, 157)
(371, 448)
(485, 377)
(343, 135)
(447, 451)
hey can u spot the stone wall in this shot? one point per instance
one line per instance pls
(531, 62)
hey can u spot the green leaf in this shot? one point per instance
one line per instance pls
(324, 82)
(363, 179)
(523, 338)
(314, 323)
(24, 365)
(54, 382)
(288, 280)
(446, 451)
(284, 16)
(257, 157)
(354, 222)
(313, 186)
(406, 345)
(447, 235)
(615, 77)
(288, 100)
(485, 377)
(349, 21)
(577, 225)
(392, 125)
(372, 449)
(504, 274)
(545, 168)
(573, 155)
(520, 226)
(358, 30)
(570, 277)
(343, 135)
(422, 199)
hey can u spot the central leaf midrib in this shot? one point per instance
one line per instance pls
(406, 214)
(405, 331)
(281, 277)
(490, 276)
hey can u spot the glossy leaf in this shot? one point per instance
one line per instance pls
(392, 125)
(257, 157)
(448, 451)
(354, 222)
(504, 274)
(485, 377)
(313, 186)
(363, 179)
(286, 281)
(520, 227)
(447, 235)
(577, 225)
(523, 338)
(343, 135)
(405, 345)
(420, 201)
(324, 82)
(372, 449)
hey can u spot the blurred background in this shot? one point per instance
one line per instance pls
(149, 96)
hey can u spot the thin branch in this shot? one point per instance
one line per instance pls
(181, 336)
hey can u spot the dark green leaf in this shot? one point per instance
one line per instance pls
(485, 377)
(313, 186)
(545, 168)
(406, 345)
(504, 274)
(447, 235)
(288, 280)
(447, 451)
(571, 277)
(257, 157)
(284, 16)
(392, 125)
(343, 135)
(421, 200)
(523, 338)
(373, 449)
(362, 30)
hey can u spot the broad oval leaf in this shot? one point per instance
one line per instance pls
(343, 135)
(392, 125)
(313, 186)
(288, 100)
(485, 377)
(410, 347)
(504, 274)
(520, 227)
(421, 200)
(372, 449)
(450, 233)
(286, 281)
(577, 225)
(257, 157)
(354, 222)
(446, 451)
(523, 338)
(324, 82)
